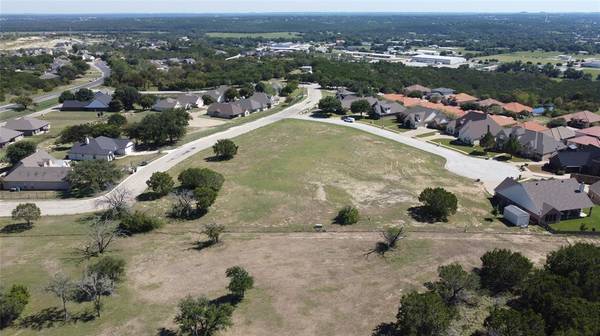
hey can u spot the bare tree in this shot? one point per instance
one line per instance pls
(390, 236)
(184, 208)
(102, 232)
(94, 285)
(115, 202)
(62, 287)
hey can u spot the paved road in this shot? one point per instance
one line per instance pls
(490, 172)
(136, 183)
(98, 64)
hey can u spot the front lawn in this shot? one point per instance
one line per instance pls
(591, 222)
(388, 123)
(457, 145)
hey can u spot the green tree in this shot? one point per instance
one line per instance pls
(510, 322)
(512, 146)
(108, 266)
(348, 215)
(208, 100)
(231, 94)
(118, 120)
(20, 150)
(128, 95)
(115, 105)
(138, 222)
(423, 314)
(161, 183)
(27, 212)
(201, 317)
(84, 94)
(503, 270)
(12, 303)
(260, 87)
(147, 101)
(213, 231)
(239, 281)
(66, 95)
(23, 101)
(454, 283)
(246, 91)
(225, 149)
(290, 87)
(330, 104)
(438, 203)
(89, 177)
(205, 197)
(488, 141)
(360, 106)
(193, 178)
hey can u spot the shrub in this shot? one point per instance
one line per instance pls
(438, 203)
(20, 150)
(193, 178)
(347, 216)
(12, 303)
(161, 183)
(503, 270)
(240, 281)
(225, 149)
(139, 222)
(205, 197)
(110, 267)
(27, 212)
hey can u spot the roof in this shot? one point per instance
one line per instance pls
(74, 104)
(578, 158)
(249, 104)
(7, 134)
(99, 146)
(102, 98)
(188, 99)
(39, 167)
(443, 91)
(538, 142)
(561, 133)
(464, 98)
(503, 120)
(406, 101)
(165, 104)
(476, 129)
(489, 102)
(516, 107)
(539, 197)
(262, 98)
(417, 87)
(595, 188)
(585, 116)
(26, 124)
(534, 126)
(591, 131)
(585, 140)
(226, 109)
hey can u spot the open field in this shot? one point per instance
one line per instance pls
(535, 57)
(313, 170)
(303, 281)
(273, 35)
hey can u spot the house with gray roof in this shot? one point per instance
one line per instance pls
(9, 136)
(167, 104)
(547, 201)
(240, 108)
(191, 100)
(100, 102)
(39, 171)
(579, 161)
(535, 145)
(28, 125)
(225, 110)
(417, 88)
(594, 192)
(419, 116)
(100, 148)
(442, 91)
(385, 108)
(561, 133)
(218, 94)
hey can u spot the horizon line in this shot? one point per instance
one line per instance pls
(296, 12)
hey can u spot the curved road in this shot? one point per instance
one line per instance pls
(490, 172)
(98, 64)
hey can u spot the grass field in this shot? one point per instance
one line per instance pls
(273, 35)
(388, 123)
(313, 170)
(591, 222)
(535, 57)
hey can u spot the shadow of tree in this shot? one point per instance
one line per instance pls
(385, 329)
(166, 332)
(16, 228)
(231, 299)
(201, 245)
(420, 214)
(147, 196)
(49, 317)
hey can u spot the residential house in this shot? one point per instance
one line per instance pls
(259, 101)
(417, 88)
(419, 116)
(517, 108)
(533, 126)
(100, 102)
(225, 110)
(191, 100)
(168, 104)
(503, 121)
(9, 136)
(218, 94)
(383, 108)
(535, 145)
(585, 161)
(474, 130)
(547, 202)
(463, 98)
(561, 133)
(583, 119)
(442, 91)
(455, 125)
(594, 192)
(100, 148)
(29, 126)
(588, 136)
(39, 171)
(487, 103)
(584, 141)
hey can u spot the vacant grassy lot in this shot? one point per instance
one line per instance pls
(305, 283)
(274, 35)
(294, 174)
(591, 222)
(535, 57)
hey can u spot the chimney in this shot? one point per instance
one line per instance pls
(581, 188)
(87, 140)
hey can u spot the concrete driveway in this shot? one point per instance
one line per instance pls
(490, 172)
(136, 183)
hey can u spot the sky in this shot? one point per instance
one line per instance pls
(253, 6)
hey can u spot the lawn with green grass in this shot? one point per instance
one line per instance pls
(590, 223)
(464, 148)
(388, 123)
(542, 57)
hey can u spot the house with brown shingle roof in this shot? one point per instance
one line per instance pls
(417, 88)
(582, 119)
(561, 133)
(503, 121)
(517, 108)
(463, 98)
(547, 202)
(534, 126)
(489, 102)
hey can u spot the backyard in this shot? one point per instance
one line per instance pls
(590, 222)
